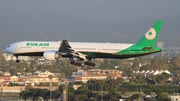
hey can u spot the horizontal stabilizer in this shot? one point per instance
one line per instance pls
(147, 48)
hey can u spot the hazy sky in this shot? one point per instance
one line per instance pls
(77, 20)
(115, 11)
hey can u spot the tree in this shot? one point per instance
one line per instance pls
(136, 64)
(158, 90)
(45, 94)
(175, 61)
(2, 59)
(128, 99)
(55, 94)
(140, 79)
(70, 96)
(170, 91)
(147, 99)
(63, 90)
(33, 64)
(129, 72)
(156, 60)
(71, 92)
(25, 94)
(50, 83)
(78, 83)
(83, 87)
(29, 86)
(135, 96)
(67, 71)
(83, 97)
(13, 71)
(147, 91)
(35, 93)
(161, 79)
(112, 96)
(162, 96)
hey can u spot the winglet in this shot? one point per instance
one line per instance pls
(150, 38)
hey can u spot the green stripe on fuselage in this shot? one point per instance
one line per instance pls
(132, 51)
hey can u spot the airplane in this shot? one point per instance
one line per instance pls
(82, 53)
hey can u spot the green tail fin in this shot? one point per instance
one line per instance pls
(150, 38)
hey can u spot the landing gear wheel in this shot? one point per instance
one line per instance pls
(93, 64)
(76, 63)
(17, 61)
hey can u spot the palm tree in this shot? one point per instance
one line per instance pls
(50, 83)
(63, 90)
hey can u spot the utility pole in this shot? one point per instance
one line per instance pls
(95, 87)
(139, 90)
(92, 86)
(139, 95)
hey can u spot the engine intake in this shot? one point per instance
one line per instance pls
(51, 55)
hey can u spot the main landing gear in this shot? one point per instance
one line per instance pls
(80, 62)
(88, 63)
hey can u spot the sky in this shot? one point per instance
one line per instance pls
(115, 11)
(21, 19)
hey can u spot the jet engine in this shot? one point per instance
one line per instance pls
(51, 55)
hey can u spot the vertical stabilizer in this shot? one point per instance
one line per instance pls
(150, 38)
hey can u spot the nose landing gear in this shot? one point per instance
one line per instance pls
(17, 60)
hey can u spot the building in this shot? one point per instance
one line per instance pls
(5, 80)
(160, 44)
(175, 98)
(44, 74)
(98, 74)
(12, 57)
(150, 73)
(37, 80)
(84, 79)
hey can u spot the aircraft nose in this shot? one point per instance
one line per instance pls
(8, 50)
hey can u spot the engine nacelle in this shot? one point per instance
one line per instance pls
(51, 55)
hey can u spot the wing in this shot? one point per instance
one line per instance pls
(65, 49)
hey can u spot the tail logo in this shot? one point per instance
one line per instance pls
(151, 34)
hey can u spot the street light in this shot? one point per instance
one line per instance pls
(12, 96)
(4, 96)
(1, 91)
(177, 92)
(50, 93)
(139, 90)
(102, 93)
(93, 87)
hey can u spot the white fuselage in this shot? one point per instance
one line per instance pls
(41, 46)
